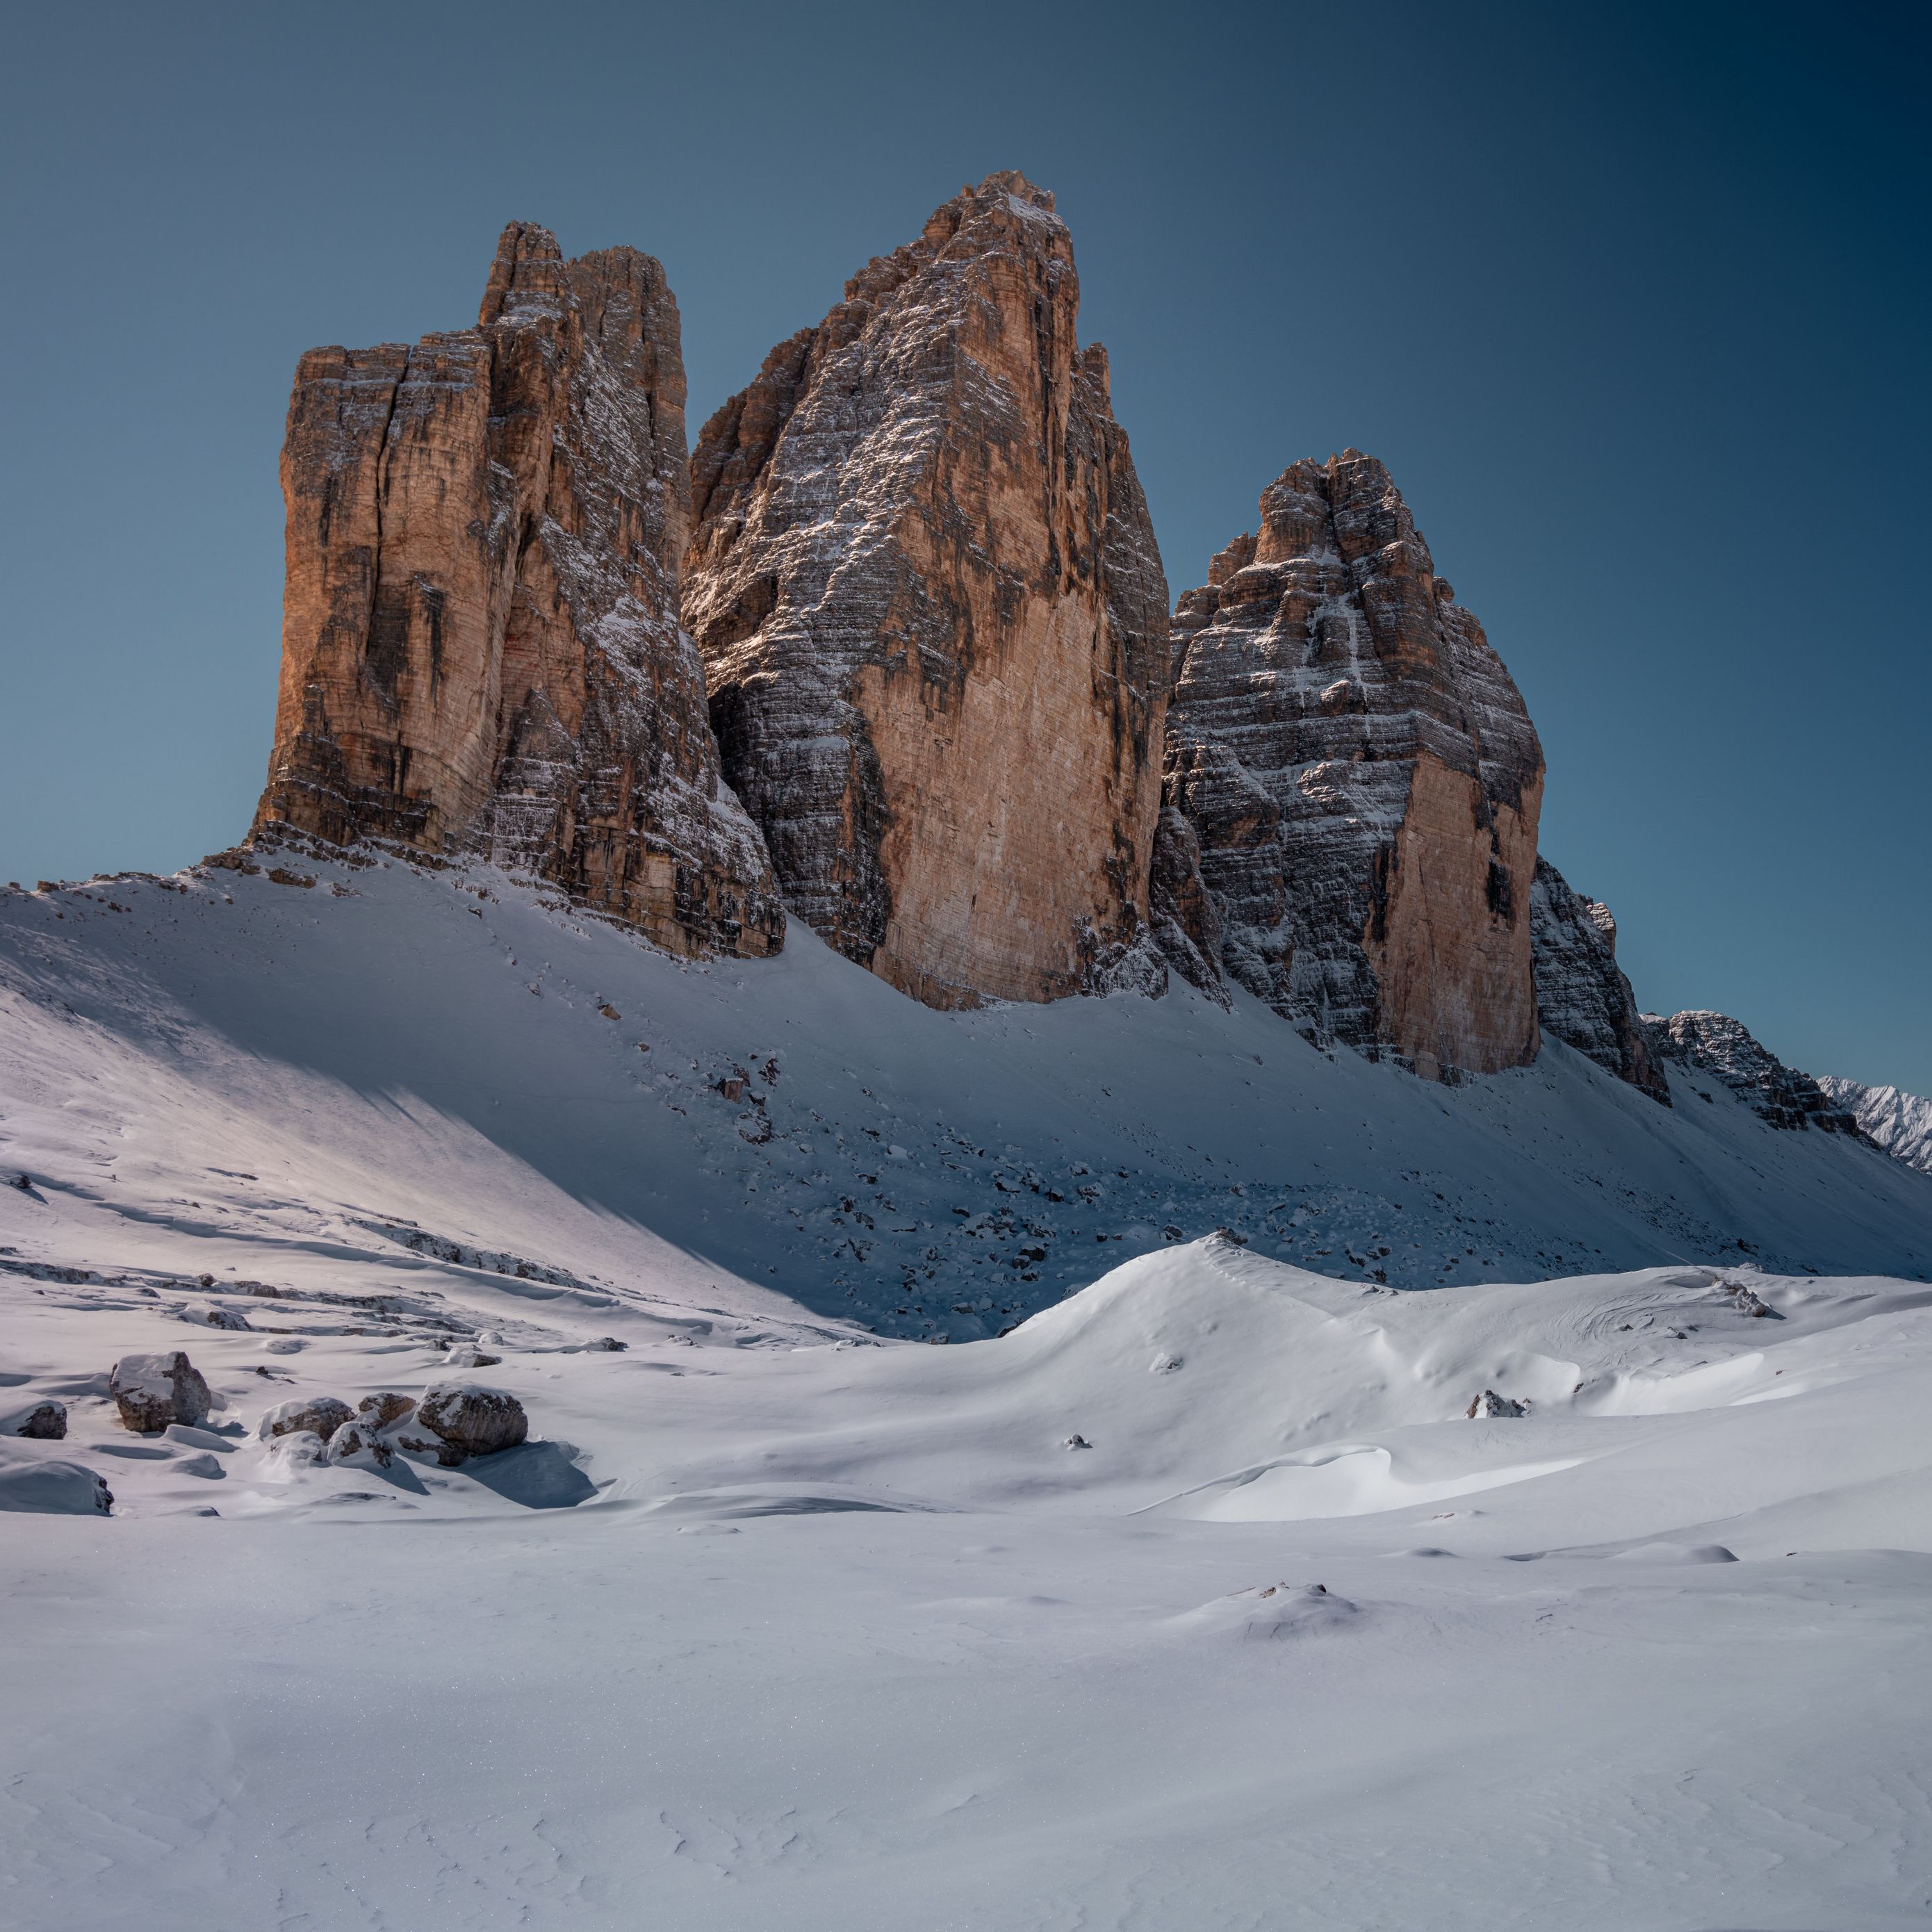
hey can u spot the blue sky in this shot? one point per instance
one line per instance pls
(1632, 300)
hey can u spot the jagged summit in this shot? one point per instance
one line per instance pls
(933, 620)
(1361, 778)
(480, 646)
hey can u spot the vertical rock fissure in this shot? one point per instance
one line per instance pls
(1361, 779)
(945, 711)
(515, 681)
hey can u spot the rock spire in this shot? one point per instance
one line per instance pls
(480, 647)
(934, 621)
(1361, 779)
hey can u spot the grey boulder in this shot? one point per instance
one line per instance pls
(151, 1391)
(467, 1419)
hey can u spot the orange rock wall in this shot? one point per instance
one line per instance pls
(930, 608)
(481, 644)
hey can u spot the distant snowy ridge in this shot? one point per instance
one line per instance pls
(1899, 1122)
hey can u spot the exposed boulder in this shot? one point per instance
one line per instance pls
(226, 1318)
(45, 1422)
(1489, 1403)
(380, 1411)
(480, 642)
(322, 1414)
(467, 1355)
(361, 1444)
(467, 1419)
(925, 587)
(1582, 996)
(1362, 778)
(151, 1391)
(1716, 1045)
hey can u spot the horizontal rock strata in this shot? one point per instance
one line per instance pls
(933, 618)
(1362, 779)
(1582, 996)
(481, 648)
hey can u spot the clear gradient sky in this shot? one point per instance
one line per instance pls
(1633, 301)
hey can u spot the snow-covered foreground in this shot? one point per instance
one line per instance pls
(779, 1629)
(1197, 1601)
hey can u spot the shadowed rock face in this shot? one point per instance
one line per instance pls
(934, 621)
(1582, 996)
(1362, 779)
(480, 643)
(1715, 1044)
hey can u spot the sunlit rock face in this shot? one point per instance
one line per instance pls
(480, 646)
(933, 622)
(1362, 780)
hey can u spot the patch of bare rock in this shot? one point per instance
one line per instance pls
(481, 648)
(933, 620)
(152, 1391)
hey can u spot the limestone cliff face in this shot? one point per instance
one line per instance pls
(1582, 996)
(1362, 779)
(480, 646)
(933, 622)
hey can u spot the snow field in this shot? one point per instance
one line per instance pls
(779, 1623)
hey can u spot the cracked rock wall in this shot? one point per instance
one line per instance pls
(1362, 780)
(481, 648)
(933, 617)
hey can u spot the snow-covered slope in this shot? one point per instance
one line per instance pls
(841, 1632)
(392, 1056)
(1197, 1600)
(1899, 1122)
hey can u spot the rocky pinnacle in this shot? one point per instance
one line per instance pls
(932, 615)
(1362, 780)
(481, 648)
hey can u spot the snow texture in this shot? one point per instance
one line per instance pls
(774, 1621)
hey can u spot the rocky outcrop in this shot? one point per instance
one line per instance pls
(1488, 1405)
(933, 618)
(466, 1419)
(1362, 778)
(153, 1391)
(45, 1422)
(321, 1414)
(480, 641)
(1582, 996)
(1715, 1044)
(1899, 1122)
